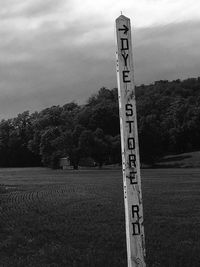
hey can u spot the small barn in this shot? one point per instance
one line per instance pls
(64, 163)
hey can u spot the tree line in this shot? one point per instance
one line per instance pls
(168, 115)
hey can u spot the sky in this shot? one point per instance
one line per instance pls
(53, 52)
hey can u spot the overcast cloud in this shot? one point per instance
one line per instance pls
(53, 52)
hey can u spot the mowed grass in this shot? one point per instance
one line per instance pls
(76, 218)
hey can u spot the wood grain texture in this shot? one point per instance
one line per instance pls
(129, 144)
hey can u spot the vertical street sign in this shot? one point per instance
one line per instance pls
(129, 143)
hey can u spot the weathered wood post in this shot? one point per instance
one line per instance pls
(129, 144)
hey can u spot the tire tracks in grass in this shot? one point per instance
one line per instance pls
(22, 201)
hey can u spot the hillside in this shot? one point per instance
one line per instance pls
(184, 160)
(168, 115)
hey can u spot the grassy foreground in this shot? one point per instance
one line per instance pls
(76, 218)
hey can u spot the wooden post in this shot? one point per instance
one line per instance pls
(129, 144)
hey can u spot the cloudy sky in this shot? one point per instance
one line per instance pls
(56, 51)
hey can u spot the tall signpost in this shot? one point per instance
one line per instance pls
(129, 145)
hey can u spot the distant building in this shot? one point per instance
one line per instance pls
(84, 162)
(64, 163)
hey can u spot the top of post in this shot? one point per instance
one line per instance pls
(122, 17)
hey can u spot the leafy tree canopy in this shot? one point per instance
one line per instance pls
(168, 115)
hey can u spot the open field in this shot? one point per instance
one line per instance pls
(76, 218)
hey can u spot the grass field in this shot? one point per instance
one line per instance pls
(76, 218)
